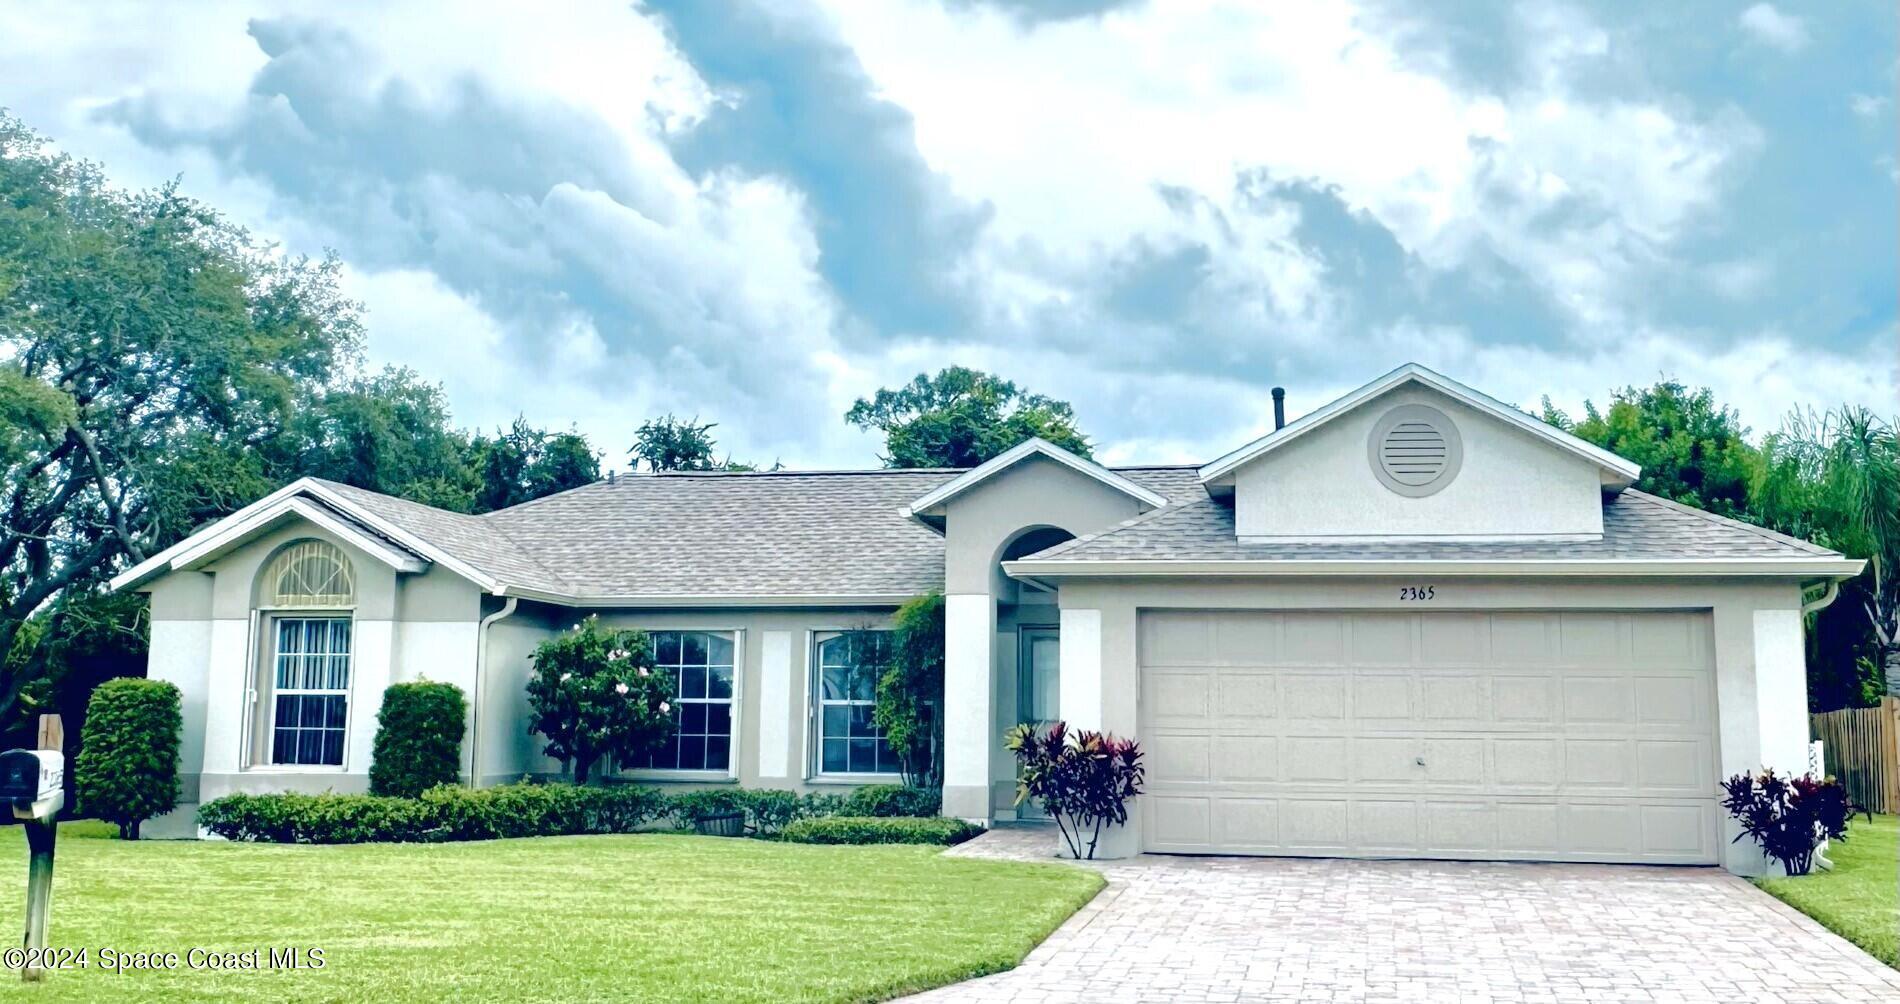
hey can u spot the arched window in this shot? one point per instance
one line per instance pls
(303, 682)
(310, 573)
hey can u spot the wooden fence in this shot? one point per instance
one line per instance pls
(1862, 746)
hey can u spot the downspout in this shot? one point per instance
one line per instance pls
(481, 674)
(1830, 591)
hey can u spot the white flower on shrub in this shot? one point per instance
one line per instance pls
(643, 671)
(665, 707)
(566, 677)
(620, 688)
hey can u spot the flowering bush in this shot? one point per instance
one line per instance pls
(1788, 816)
(1083, 779)
(595, 695)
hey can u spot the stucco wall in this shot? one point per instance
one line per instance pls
(1510, 483)
(772, 713)
(205, 640)
(1760, 672)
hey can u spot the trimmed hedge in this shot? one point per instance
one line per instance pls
(525, 809)
(127, 768)
(418, 738)
(940, 830)
(892, 800)
(443, 813)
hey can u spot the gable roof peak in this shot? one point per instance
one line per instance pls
(1616, 472)
(1034, 446)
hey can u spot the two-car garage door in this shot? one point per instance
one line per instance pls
(1572, 736)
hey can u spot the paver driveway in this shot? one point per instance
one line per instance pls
(1243, 929)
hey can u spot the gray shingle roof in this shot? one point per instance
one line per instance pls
(782, 533)
(1636, 526)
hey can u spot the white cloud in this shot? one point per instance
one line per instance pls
(1868, 106)
(1771, 27)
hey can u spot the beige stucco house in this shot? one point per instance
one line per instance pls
(1414, 623)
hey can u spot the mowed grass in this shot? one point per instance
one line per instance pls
(1859, 899)
(644, 917)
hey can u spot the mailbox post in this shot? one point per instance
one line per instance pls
(34, 781)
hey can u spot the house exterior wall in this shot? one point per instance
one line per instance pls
(205, 640)
(1760, 670)
(978, 526)
(1510, 484)
(772, 743)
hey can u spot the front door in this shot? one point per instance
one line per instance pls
(1036, 695)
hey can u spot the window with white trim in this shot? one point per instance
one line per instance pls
(701, 665)
(849, 742)
(310, 684)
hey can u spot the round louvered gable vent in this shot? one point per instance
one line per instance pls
(1415, 450)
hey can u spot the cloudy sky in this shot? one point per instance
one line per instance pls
(757, 210)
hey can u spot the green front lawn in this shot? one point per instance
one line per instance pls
(645, 917)
(1860, 898)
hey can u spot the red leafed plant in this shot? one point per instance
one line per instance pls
(1082, 779)
(1788, 816)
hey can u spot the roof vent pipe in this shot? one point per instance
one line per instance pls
(1279, 408)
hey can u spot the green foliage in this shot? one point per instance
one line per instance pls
(939, 830)
(1691, 450)
(418, 738)
(524, 463)
(892, 800)
(673, 444)
(961, 417)
(766, 810)
(150, 347)
(443, 813)
(127, 768)
(594, 695)
(388, 433)
(910, 690)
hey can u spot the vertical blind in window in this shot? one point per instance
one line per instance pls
(310, 690)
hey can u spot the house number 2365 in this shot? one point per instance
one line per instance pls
(1417, 592)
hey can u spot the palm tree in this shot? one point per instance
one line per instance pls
(1835, 479)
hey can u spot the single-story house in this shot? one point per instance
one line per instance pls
(1416, 622)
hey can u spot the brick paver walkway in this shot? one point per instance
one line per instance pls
(1244, 929)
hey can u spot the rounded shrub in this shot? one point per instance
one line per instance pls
(127, 768)
(892, 800)
(418, 738)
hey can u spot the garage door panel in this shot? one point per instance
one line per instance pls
(1179, 758)
(1176, 697)
(1597, 700)
(1671, 700)
(1247, 693)
(1438, 735)
(1381, 640)
(1313, 695)
(1312, 639)
(1382, 695)
(1527, 699)
(1591, 639)
(1315, 758)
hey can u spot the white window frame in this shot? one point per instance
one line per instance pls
(815, 714)
(736, 710)
(268, 620)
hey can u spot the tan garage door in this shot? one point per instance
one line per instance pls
(1539, 736)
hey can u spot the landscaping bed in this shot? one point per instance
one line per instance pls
(640, 917)
(1859, 898)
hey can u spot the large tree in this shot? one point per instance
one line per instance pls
(961, 417)
(1692, 450)
(149, 352)
(681, 444)
(388, 433)
(523, 463)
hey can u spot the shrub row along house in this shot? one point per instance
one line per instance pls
(1416, 622)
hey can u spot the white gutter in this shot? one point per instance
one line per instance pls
(475, 705)
(677, 600)
(1830, 591)
(1833, 568)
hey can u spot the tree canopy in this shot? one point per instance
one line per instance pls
(1691, 449)
(961, 417)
